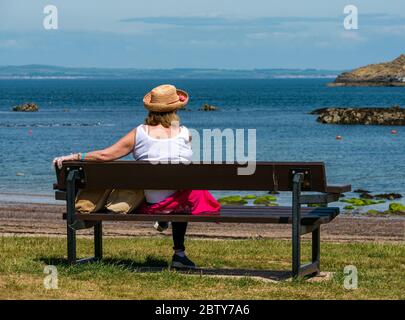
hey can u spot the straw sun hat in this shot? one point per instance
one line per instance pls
(165, 98)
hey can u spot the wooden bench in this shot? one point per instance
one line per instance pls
(268, 176)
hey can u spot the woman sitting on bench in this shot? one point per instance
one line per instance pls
(160, 139)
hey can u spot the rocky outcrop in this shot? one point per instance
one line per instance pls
(389, 196)
(207, 107)
(383, 74)
(394, 116)
(27, 107)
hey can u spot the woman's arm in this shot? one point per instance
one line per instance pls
(118, 150)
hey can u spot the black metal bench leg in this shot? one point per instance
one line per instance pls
(316, 248)
(71, 244)
(98, 241)
(296, 249)
(296, 225)
(70, 208)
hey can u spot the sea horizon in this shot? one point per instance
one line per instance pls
(50, 72)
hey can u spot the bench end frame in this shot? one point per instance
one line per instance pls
(312, 268)
(72, 177)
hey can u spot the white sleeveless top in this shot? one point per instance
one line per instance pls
(171, 150)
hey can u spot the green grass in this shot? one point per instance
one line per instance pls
(381, 270)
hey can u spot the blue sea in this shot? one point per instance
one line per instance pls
(82, 115)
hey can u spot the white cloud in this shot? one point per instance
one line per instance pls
(391, 30)
(271, 35)
(324, 44)
(353, 36)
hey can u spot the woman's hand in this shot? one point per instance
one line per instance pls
(59, 160)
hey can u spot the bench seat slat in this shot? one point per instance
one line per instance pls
(236, 214)
(275, 209)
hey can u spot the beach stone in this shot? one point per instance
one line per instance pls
(322, 277)
(27, 107)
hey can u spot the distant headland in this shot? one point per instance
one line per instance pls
(57, 72)
(390, 74)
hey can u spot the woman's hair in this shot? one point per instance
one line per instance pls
(163, 118)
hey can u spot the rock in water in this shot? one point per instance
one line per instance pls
(361, 191)
(370, 116)
(389, 196)
(27, 107)
(207, 107)
(383, 74)
(366, 196)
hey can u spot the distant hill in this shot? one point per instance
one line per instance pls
(54, 72)
(383, 74)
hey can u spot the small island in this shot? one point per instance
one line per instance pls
(388, 74)
(393, 116)
(26, 107)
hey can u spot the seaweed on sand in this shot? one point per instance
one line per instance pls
(361, 202)
(267, 200)
(232, 200)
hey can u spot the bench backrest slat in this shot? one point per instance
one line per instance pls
(144, 175)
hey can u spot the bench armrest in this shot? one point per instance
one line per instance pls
(338, 188)
(332, 194)
(60, 195)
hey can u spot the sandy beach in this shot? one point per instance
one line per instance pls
(29, 219)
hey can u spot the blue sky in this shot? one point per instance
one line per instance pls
(231, 34)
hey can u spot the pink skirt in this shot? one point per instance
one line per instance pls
(195, 202)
